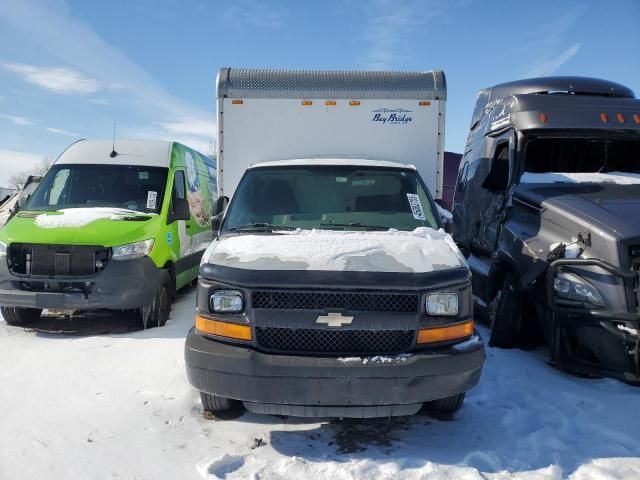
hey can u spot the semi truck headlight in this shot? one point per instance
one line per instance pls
(133, 250)
(442, 304)
(573, 287)
(227, 301)
(3, 249)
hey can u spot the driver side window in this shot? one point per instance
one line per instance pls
(498, 177)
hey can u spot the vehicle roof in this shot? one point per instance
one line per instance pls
(520, 104)
(357, 162)
(151, 153)
(330, 84)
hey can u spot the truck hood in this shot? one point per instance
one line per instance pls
(80, 226)
(419, 251)
(609, 208)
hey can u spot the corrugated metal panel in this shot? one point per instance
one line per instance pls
(329, 84)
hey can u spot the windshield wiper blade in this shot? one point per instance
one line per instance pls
(355, 224)
(260, 227)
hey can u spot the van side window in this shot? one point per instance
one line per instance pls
(179, 191)
(498, 177)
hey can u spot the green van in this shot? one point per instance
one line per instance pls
(117, 227)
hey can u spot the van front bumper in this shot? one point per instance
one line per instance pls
(122, 285)
(312, 386)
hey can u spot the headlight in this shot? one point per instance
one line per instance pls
(133, 250)
(573, 287)
(227, 301)
(3, 249)
(442, 304)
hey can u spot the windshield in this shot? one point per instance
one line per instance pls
(330, 197)
(582, 160)
(136, 188)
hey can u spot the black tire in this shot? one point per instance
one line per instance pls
(221, 407)
(506, 319)
(157, 314)
(445, 407)
(19, 317)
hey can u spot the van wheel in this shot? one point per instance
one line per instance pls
(506, 317)
(445, 407)
(221, 407)
(18, 316)
(157, 314)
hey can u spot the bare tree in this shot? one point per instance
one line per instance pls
(19, 179)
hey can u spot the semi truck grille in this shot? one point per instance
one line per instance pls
(56, 260)
(364, 302)
(343, 342)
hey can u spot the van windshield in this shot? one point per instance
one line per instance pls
(330, 197)
(135, 188)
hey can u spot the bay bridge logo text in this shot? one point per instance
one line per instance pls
(391, 115)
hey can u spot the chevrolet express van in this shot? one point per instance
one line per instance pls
(116, 227)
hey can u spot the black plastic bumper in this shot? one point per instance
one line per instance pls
(595, 342)
(330, 386)
(121, 285)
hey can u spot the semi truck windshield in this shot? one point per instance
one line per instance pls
(330, 197)
(136, 188)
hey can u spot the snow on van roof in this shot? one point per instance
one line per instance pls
(148, 153)
(358, 162)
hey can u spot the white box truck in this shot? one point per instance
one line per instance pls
(331, 288)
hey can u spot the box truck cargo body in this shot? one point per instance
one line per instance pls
(266, 115)
(330, 288)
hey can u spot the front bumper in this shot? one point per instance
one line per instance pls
(121, 285)
(313, 386)
(595, 342)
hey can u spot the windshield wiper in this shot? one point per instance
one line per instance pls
(260, 227)
(355, 224)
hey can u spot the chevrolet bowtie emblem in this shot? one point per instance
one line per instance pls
(335, 320)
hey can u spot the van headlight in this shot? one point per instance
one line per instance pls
(570, 286)
(3, 249)
(442, 304)
(132, 250)
(227, 301)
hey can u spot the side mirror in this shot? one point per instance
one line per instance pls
(218, 213)
(180, 210)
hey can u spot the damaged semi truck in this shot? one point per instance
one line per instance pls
(331, 288)
(546, 211)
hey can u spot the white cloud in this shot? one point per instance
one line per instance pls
(548, 50)
(21, 121)
(389, 25)
(191, 127)
(102, 66)
(255, 13)
(13, 162)
(61, 131)
(58, 80)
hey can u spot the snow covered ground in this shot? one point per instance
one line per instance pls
(119, 406)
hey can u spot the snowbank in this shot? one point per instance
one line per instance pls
(79, 217)
(422, 250)
(120, 406)
(619, 178)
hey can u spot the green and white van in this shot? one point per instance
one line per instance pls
(110, 227)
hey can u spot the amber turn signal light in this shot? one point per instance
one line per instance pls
(223, 329)
(443, 334)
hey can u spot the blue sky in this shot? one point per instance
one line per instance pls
(69, 69)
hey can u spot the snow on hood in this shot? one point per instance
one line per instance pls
(422, 250)
(79, 217)
(619, 178)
